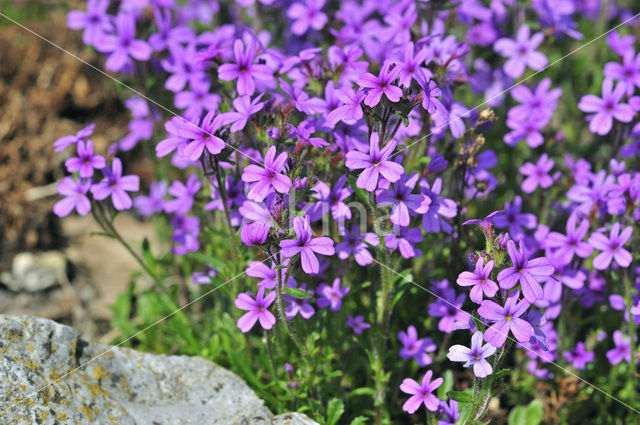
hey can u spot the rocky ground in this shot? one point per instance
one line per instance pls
(50, 267)
(50, 375)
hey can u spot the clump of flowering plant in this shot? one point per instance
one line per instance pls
(318, 184)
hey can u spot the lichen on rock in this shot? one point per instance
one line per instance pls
(49, 376)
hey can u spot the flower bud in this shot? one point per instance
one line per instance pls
(503, 238)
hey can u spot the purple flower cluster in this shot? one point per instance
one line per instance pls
(330, 138)
(85, 181)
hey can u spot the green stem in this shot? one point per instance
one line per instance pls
(632, 332)
(482, 387)
(107, 226)
(293, 334)
(283, 317)
(383, 315)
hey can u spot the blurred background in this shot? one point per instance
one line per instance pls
(50, 267)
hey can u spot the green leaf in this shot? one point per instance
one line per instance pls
(362, 391)
(518, 416)
(106, 235)
(534, 412)
(298, 293)
(477, 321)
(500, 374)
(148, 255)
(361, 193)
(527, 415)
(335, 409)
(360, 420)
(447, 385)
(403, 117)
(209, 260)
(460, 396)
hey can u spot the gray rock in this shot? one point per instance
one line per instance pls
(49, 375)
(36, 272)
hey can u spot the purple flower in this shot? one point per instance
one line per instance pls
(351, 110)
(357, 324)
(168, 31)
(449, 307)
(66, 141)
(95, 21)
(416, 348)
(353, 244)
(122, 46)
(527, 128)
(254, 233)
(183, 195)
(401, 198)
(521, 52)
(198, 99)
(203, 136)
(410, 64)
(480, 280)
(620, 44)
(245, 107)
(204, 277)
(579, 357)
(404, 239)
(434, 208)
(566, 246)
(257, 310)
(537, 174)
(474, 356)
(75, 197)
(591, 195)
(622, 349)
(298, 305)
(244, 70)
(184, 66)
(332, 295)
(175, 138)
(306, 245)
(86, 161)
(269, 275)
(430, 102)
(303, 135)
(506, 319)
(527, 272)
(300, 98)
(450, 412)
(538, 102)
(375, 163)
(611, 247)
(421, 393)
(606, 108)
(485, 223)
(235, 196)
(307, 14)
(116, 185)
(628, 72)
(331, 198)
(185, 235)
(269, 176)
(514, 220)
(381, 85)
(346, 59)
(154, 203)
(400, 20)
